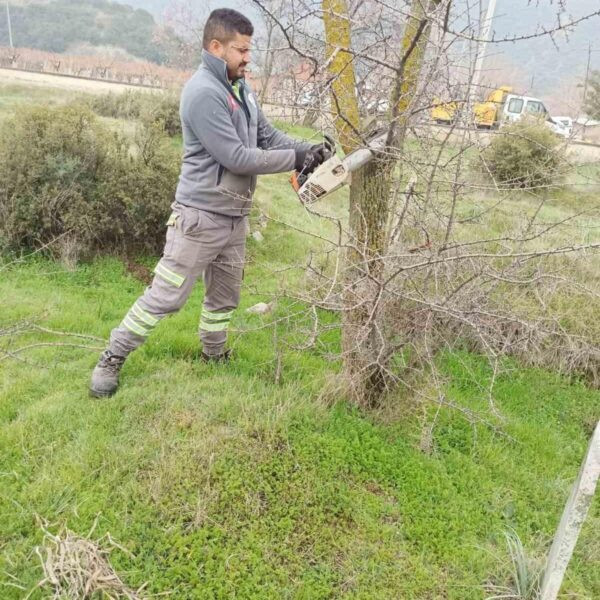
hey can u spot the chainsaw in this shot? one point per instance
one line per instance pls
(336, 172)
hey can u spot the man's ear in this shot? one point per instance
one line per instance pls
(215, 47)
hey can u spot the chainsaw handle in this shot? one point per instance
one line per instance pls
(298, 180)
(329, 143)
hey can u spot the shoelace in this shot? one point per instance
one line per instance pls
(112, 363)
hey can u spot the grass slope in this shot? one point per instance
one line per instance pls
(221, 483)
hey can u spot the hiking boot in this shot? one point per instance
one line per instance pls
(105, 378)
(224, 357)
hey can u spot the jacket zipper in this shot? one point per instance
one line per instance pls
(242, 104)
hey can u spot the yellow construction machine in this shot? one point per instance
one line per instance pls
(486, 114)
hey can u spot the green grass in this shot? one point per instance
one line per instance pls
(222, 483)
(299, 131)
(227, 481)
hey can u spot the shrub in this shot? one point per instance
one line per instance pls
(149, 107)
(126, 105)
(525, 154)
(65, 174)
(165, 111)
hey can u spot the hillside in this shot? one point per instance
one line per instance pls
(60, 25)
(547, 63)
(542, 63)
(158, 7)
(541, 66)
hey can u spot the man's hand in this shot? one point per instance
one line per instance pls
(308, 160)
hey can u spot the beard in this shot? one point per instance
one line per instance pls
(235, 74)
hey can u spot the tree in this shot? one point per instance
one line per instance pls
(366, 349)
(269, 46)
(412, 273)
(180, 34)
(592, 99)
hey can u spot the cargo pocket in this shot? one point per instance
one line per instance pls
(171, 227)
(181, 249)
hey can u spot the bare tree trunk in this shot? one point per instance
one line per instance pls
(341, 67)
(364, 344)
(363, 338)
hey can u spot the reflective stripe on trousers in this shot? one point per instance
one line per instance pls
(198, 243)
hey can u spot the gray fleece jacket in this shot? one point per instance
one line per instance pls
(227, 143)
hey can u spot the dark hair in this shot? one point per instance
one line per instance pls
(223, 24)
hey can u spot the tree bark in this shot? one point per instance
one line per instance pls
(364, 344)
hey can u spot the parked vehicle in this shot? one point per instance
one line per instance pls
(499, 108)
(485, 114)
(567, 122)
(516, 107)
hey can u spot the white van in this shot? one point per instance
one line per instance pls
(516, 107)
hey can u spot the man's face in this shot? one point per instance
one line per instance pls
(236, 53)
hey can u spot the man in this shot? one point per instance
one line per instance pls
(227, 143)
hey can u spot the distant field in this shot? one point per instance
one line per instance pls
(77, 84)
(21, 87)
(14, 93)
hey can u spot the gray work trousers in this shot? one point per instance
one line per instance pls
(198, 243)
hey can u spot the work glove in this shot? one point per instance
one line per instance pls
(307, 160)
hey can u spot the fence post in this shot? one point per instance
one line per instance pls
(572, 519)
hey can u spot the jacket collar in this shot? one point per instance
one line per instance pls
(217, 66)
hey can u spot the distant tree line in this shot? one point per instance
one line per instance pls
(56, 25)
